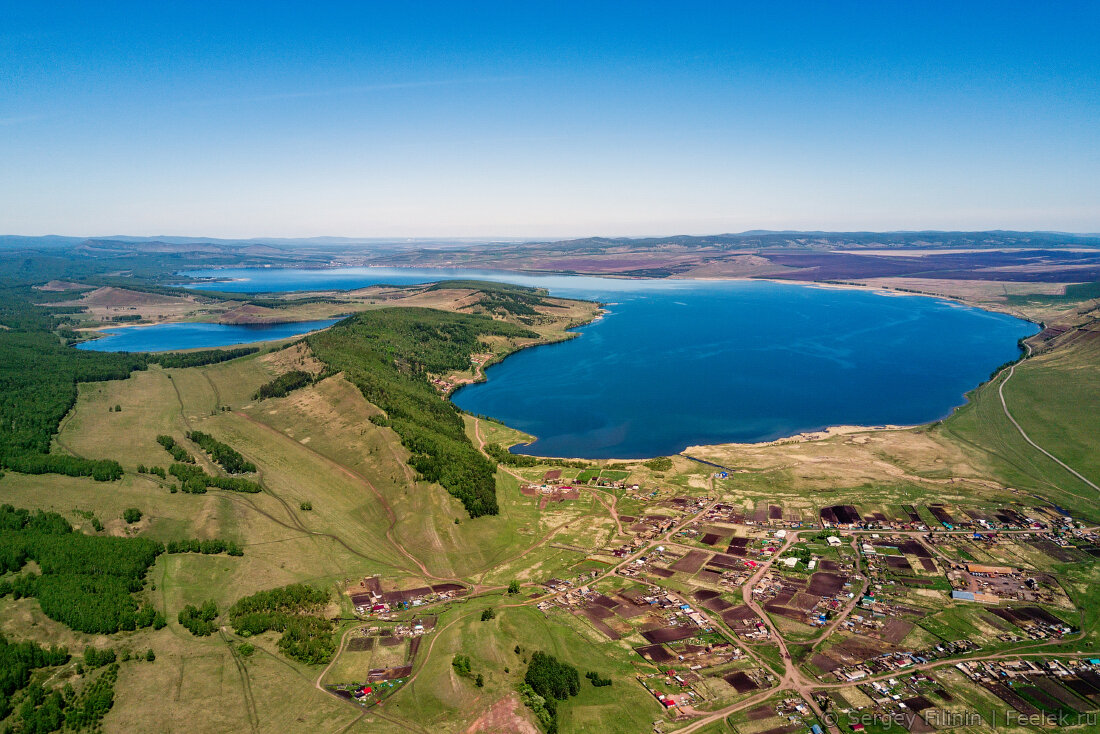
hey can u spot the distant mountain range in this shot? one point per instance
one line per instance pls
(753, 238)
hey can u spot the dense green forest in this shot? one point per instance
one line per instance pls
(388, 354)
(293, 610)
(86, 582)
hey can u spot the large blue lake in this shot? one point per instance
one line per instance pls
(677, 363)
(171, 337)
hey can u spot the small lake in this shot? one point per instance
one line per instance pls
(174, 337)
(676, 363)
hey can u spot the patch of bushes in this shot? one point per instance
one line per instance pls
(597, 681)
(199, 620)
(131, 515)
(661, 463)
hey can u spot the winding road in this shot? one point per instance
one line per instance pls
(1052, 457)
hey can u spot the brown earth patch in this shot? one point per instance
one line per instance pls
(506, 714)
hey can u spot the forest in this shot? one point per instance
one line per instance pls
(17, 661)
(389, 354)
(86, 582)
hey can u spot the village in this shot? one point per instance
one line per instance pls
(706, 593)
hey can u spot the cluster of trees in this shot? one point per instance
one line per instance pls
(661, 463)
(87, 582)
(17, 661)
(205, 547)
(42, 710)
(597, 680)
(552, 681)
(308, 639)
(283, 385)
(199, 620)
(502, 456)
(178, 452)
(87, 710)
(228, 457)
(292, 610)
(95, 657)
(389, 355)
(154, 470)
(463, 668)
(131, 515)
(488, 614)
(195, 481)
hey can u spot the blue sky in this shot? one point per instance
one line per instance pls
(555, 119)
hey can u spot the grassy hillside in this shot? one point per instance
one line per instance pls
(1054, 397)
(389, 355)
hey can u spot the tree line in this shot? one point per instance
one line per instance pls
(225, 455)
(194, 480)
(179, 453)
(283, 385)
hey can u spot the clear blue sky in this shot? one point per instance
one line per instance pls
(555, 119)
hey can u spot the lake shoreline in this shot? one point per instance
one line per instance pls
(802, 436)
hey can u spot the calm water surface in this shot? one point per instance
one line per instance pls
(679, 363)
(172, 337)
